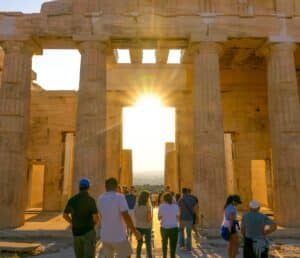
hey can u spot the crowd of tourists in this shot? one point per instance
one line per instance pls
(121, 212)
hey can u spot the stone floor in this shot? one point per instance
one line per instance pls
(54, 234)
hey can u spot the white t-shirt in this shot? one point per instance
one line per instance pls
(110, 206)
(168, 214)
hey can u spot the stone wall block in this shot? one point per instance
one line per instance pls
(285, 8)
(207, 6)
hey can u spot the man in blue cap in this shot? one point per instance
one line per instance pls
(81, 212)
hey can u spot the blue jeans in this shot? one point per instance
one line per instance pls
(186, 242)
(145, 232)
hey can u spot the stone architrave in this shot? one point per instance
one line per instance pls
(209, 157)
(90, 147)
(284, 117)
(126, 177)
(14, 125)
(171, 172)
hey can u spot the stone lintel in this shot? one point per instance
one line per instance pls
(100, 38)
(212, 37)
(150, 43)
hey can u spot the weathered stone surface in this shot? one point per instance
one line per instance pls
(208, 157)
(14, 125)
(171, 172)
(242, 25)
(90, 149)
(284, 115)
(48, 128)
(126, 177)
(114, 135)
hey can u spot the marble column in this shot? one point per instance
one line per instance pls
(126, 177)
(171, 171)
(184, 138)
(284, 117)
(90, 147)
(209, 157)
(14, 125)
(114, 135)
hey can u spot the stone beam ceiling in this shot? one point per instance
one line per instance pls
(61, 22)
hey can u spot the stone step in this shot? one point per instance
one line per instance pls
(18, 247)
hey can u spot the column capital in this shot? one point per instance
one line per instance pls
(15, 47)
(23, 46)
(86, 45)
(207, 47)
(276, 47)
(283, 46)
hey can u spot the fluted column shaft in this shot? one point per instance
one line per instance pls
(284, 116)
(171, 171)
(126, 177)
(90, 148)
(14, 124)
(114, 137)
(209, 160)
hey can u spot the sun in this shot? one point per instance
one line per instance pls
(147, 126)
(149, 101)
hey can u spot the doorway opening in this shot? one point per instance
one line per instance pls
(261, 183)
(36, 187)
(147, 127)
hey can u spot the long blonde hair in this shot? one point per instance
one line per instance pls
(143, 199)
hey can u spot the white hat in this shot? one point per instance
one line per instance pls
(254, 204)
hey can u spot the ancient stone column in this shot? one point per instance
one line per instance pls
(126, 177)
(114, 136)
(284, 116)
(209, 159)
(90, 148)
(171, 172)
(184, 138)
(14, 124)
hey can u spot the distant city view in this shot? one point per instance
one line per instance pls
(148, 178)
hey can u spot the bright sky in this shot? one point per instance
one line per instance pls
(26, 6)
(150, 125)
(146, 129)
(58, 69)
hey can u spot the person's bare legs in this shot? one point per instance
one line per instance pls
(234, 244)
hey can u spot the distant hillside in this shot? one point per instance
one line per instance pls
(150, 178)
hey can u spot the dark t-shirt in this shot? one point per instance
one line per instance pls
(82, 207)
(186, 204)
(130, 198)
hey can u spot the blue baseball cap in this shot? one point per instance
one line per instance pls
(84, 182)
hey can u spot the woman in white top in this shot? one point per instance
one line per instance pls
(143, 220)
(168, 214)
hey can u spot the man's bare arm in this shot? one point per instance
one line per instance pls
(96, 218)
(271, 229)
(130, 225)
(67, 217)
